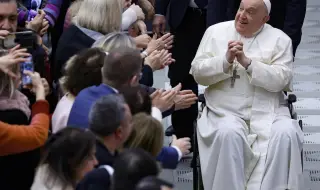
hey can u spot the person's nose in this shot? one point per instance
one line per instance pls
(243, 15)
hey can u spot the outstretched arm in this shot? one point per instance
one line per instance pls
(18, 138)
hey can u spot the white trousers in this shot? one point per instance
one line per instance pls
(226, 155)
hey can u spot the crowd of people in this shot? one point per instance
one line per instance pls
(90, 118)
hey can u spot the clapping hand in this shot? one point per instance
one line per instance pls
(164, 42)
(142, 41)
(163, 100)
(185, 99)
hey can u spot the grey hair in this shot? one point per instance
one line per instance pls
(115, 40)
(106, 115)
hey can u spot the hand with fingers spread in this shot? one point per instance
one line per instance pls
(142, 41)
(165, 58)
(183, 144)
(37, 22)
(37, 84)
(4, 34)
(163, 100)
(167, 39)
(153, 60)
(164, 42)
(14, 57)
(233, 48)
(154, 44)
(185, 99)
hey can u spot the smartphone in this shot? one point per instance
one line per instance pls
(28, 65)
(26, 39)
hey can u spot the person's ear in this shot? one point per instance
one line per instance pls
(134, 81)
(266, 19)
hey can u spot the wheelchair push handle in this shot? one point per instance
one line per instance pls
(292, 98)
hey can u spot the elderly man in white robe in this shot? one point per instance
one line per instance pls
(246, 137)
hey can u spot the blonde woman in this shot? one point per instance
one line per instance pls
(94, 19)
(147, 134)
(129, 16)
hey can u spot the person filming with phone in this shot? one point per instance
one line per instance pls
(27, 37)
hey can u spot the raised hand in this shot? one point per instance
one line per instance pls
(14, 57)
(167, 39)
(36, 23)
(44, 27)
(163, 100)
(142, 41)
(183, 144)
(233, 48)
(243, 59)
(37, 84)
(185, 99)
(153, 60)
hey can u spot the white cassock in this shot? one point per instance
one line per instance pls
(246, 137)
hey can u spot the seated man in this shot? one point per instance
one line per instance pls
(246, 65)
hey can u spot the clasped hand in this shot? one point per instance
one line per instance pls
(235, 50)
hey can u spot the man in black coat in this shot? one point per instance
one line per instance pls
(187, 21)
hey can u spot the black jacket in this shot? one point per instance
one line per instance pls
(72, 41)
(17, 170)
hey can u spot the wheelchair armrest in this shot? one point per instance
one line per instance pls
(201, 98)
(292, 98)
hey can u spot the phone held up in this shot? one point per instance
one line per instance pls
(27, 40)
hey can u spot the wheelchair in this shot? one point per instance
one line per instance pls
(197, 178)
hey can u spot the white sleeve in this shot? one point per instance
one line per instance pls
(207, 67)
(179, 152)
(277, 75)
(156, 113)
(128, 18)
(108, 168)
